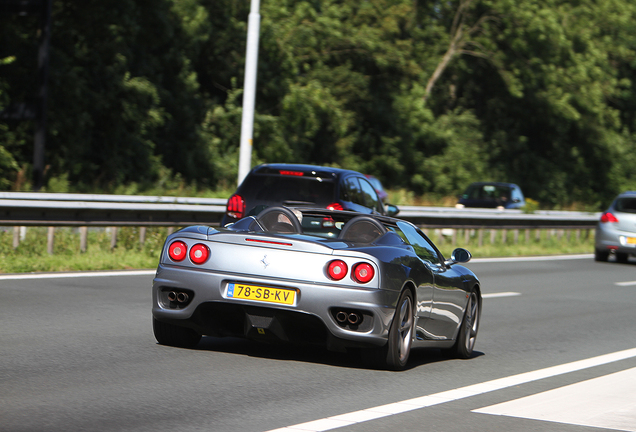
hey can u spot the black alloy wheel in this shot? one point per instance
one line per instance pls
(398, 347)
(467, 336)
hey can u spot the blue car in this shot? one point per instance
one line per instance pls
(492, 195)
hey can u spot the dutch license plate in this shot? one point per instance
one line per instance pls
(259, 293)
(631, 240)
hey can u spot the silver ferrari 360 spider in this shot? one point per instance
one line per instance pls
(335, 278)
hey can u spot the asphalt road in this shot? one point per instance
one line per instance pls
(78, 353)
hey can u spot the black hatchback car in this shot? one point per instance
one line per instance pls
(295, 185)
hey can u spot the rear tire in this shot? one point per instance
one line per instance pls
(172, 335)
(622, 257)
(600, 255)
(398, 346)
(467, 335)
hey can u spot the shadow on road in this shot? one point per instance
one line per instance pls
(358, 359)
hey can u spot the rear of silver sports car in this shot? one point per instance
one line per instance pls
(289, 288)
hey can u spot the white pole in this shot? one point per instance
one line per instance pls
(249, 91)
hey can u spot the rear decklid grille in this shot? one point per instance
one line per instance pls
(264, 256)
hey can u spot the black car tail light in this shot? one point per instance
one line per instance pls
(337, 269)
(335, 206)
(363, 272)
(236, 207)
(177, 250)
(608, 217)
(199, 253)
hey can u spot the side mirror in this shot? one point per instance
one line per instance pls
(391, 210)
(459, 255)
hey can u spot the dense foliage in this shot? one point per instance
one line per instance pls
(426, 95)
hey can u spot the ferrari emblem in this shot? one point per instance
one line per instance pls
(265, 262)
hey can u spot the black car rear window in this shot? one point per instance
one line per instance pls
(281, 189)
(626, 205)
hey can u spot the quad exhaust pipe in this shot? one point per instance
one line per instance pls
(344, 317)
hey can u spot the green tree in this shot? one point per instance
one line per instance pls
(8, 165)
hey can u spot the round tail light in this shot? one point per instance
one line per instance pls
(337, 269)
(177, 251)
(363, 272)
(199, 253)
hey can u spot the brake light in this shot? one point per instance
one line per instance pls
(608, 217)
(268, 242)
(199, 253)
(337, 269)
(363, 272)
(177, 251)
(291, 173)
(236, 207)
(335, 206)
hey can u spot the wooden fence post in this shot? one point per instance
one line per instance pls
(113, 238)
(142, 236)
(83, 238)
(50, 240)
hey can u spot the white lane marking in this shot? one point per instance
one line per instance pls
(77, 274)
(630, 283)
(605, 402)
(501, 294)
(533, 258)
(453, 395)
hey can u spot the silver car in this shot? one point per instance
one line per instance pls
(335, 278)
(616, 230)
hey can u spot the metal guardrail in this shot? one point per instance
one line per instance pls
(53, 209)
(41, 209)
(40, 196)
(449, 217)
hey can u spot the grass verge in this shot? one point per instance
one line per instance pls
(31, 254)
(500, 243)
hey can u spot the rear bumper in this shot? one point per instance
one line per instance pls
(607, 238)
(312, 319)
